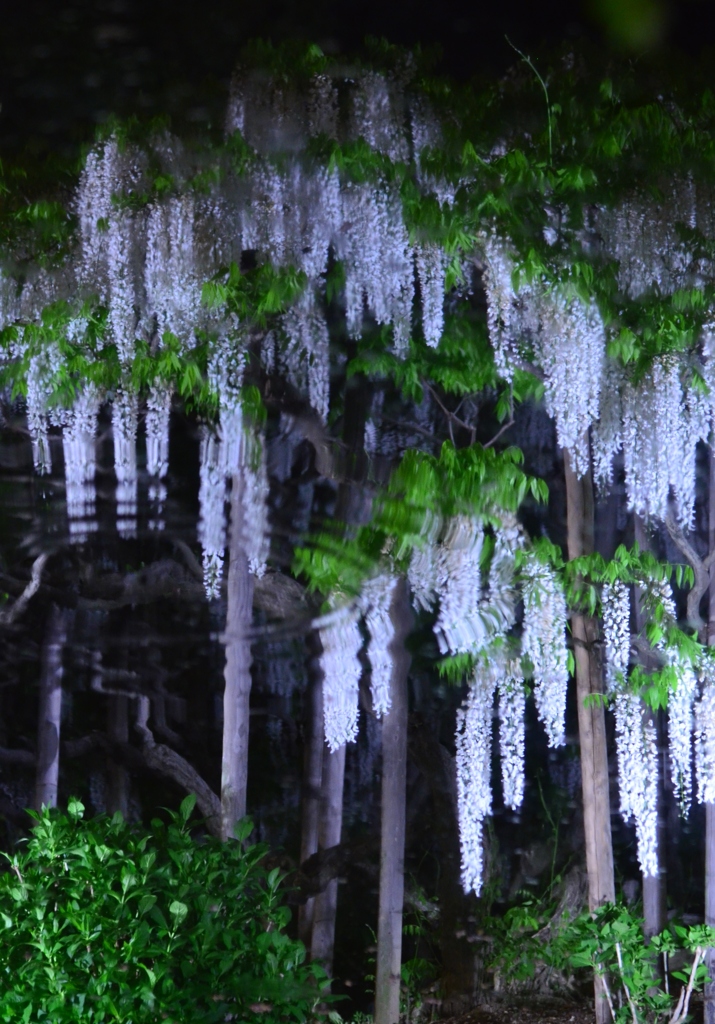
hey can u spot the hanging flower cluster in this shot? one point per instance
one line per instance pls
(473, 741)
(681, 697)
(459, 626)
(544, 644)
(78, 442)
(342, 642)
(616, 602)
(705, 736)
(377, 597)
(212, 519)
(512, 729)
(637, 752)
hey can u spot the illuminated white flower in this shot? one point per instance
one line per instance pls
(341, 639)
(473, 741)
(637, 752)
(617, 632)
(377, 596)
(543, 642)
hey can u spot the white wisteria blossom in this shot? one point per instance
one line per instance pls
(306, 355)
(212, 517)
(473, 741)
(572, 344)
(158, 411)
(607, 431)
(254, 497)
(377, 596)
(375, 248)
(512, 732)
(543, 642)
(79, 445)
(460, 626)
(705, 735)
(681, 696)
(423, 568)
(432, 262)
(341, 639)
(637, 752)
(616, 601)
(125, 409)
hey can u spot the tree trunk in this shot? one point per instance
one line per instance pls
(50, 709)
(392, 820)
(709, 990)
(591, 717)
(312, 779)
(117, 775)
(237, 673)
(331, 825)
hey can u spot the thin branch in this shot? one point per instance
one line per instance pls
(634, 1015)
(681, 1010)
(499, 433)
(609, 998)
(451, 416)
(8, 615)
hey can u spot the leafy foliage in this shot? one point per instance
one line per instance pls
(104, 921)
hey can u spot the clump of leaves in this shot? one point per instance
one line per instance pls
(105, 921)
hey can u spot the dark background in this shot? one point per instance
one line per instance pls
(65, 65)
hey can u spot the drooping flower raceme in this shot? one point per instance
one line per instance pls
(459, 626)
(424, 561)
(124, 429)
(572, 346)
(78, 442)
(637, 752)
(512, 730)
(473, 741)
(617, 632)
(705, 736)
(544, 643)
(342, 641)
(432, 262)
(212, 519)
(377, 595)
(680, 730)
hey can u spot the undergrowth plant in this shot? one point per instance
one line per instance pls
(610, 942)
(105, 921)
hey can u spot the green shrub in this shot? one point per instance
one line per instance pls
(104, 921)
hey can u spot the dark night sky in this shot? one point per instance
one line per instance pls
(65, 64)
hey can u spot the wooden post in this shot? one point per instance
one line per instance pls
(326, 903)
(312, 781)
(50, 709)
(392, 820)
(709, 991)
(591, 717)
(237, 673)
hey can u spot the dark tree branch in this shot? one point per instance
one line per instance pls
(9, 615)
(317, 872)
(700, 567)
(165, 761)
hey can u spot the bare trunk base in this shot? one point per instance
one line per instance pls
(326, 903)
